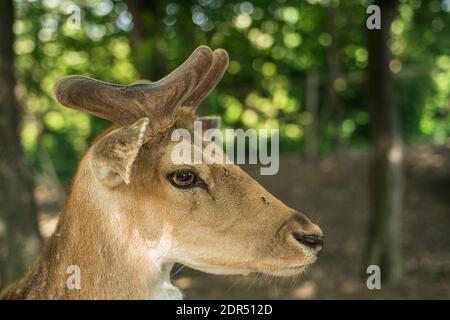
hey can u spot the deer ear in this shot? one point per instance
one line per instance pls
(114, 156)
(210, 122)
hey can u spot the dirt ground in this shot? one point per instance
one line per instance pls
(333, 192)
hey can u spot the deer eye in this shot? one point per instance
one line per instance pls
(184, 179)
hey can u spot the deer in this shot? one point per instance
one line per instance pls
(132, 213)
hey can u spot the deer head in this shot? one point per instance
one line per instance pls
(150, 212)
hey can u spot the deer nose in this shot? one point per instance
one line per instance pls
(310, 240)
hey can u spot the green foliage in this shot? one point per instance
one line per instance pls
(273, 45)
(48, 47)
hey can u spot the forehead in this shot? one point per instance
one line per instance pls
(193, 152)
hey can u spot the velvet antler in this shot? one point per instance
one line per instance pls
(218, 67)
(187, 86)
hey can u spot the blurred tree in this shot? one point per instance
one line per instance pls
(48, 47)
(384, 244)
(19, 235)
(274, 47)
(147, 31)
(311, 105)
(332, 107)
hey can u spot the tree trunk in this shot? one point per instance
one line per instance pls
(311, 105)
(148, 59)
(331, 106)
(384, 242)
(19, 236)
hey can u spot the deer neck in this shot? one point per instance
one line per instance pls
(114, 261)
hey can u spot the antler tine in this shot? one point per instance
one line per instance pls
(218, 67)
(105, 100)
(126, 104)
(173, 89)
